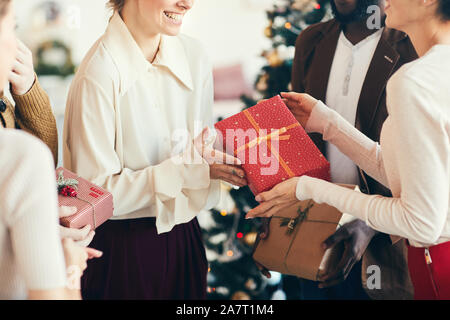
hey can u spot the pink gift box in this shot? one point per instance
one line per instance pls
(94, 204)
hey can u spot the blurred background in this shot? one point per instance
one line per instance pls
(251, 44)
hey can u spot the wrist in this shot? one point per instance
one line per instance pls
(74, 274)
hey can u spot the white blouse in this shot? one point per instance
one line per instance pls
(129, 126)
(412, 159)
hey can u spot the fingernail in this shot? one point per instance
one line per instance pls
(258, 198)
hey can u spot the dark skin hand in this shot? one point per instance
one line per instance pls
(355, 236)
(263, 234)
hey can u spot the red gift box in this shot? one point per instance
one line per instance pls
(94, 204)
(271, 145)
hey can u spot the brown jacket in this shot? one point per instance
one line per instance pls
(32, 113)
(315, 49)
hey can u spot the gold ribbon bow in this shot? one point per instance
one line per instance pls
(275, 135)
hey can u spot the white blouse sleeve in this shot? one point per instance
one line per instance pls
(28, 207)
(421, 157)
(177, 191)
(208, 119)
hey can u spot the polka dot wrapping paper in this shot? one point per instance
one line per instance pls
(271, 145)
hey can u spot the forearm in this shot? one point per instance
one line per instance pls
(395, 216)
(350, 141)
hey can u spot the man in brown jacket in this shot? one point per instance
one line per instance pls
(346, 63)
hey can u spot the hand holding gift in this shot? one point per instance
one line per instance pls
(281, 197)
(222, 166)
(83, 236)
(300, 104)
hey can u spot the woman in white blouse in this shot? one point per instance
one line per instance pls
(413, 158)
(140, 96)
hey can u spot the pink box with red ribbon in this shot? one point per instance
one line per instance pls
(94, 204)
(271, 145)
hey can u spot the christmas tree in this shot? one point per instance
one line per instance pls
(229, 238)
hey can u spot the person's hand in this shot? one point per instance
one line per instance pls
(356, 236)
(76, 261)
(83, 236)
(22, 77)
(282, 196)
(222, 166)
(300, 104)
(264, 234)
(76, 255)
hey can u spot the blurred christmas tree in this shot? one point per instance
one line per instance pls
(229, 238)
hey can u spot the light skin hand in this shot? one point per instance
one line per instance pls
(83, 236)
(22, 77)
(282, 196)
(222, 166)
(76, 258)
(300, 104)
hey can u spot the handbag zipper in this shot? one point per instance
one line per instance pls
(428, 262)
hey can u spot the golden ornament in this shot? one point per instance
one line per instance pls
(250, 238)
(268, 32)
(274, 59)
(240, 295)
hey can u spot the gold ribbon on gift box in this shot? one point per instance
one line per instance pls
(275, 135)
(293, 226)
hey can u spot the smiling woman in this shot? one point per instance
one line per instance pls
(138, 88)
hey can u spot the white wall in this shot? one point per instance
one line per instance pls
(231, 30)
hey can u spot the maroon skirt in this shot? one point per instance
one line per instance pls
(137, 263)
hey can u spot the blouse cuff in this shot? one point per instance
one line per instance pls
(182, 189)
(318, 118)
(302, 191)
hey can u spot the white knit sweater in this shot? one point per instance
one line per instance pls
(31, 255)
(412, 159)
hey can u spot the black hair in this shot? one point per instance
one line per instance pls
(444, 9)
(360, 12)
